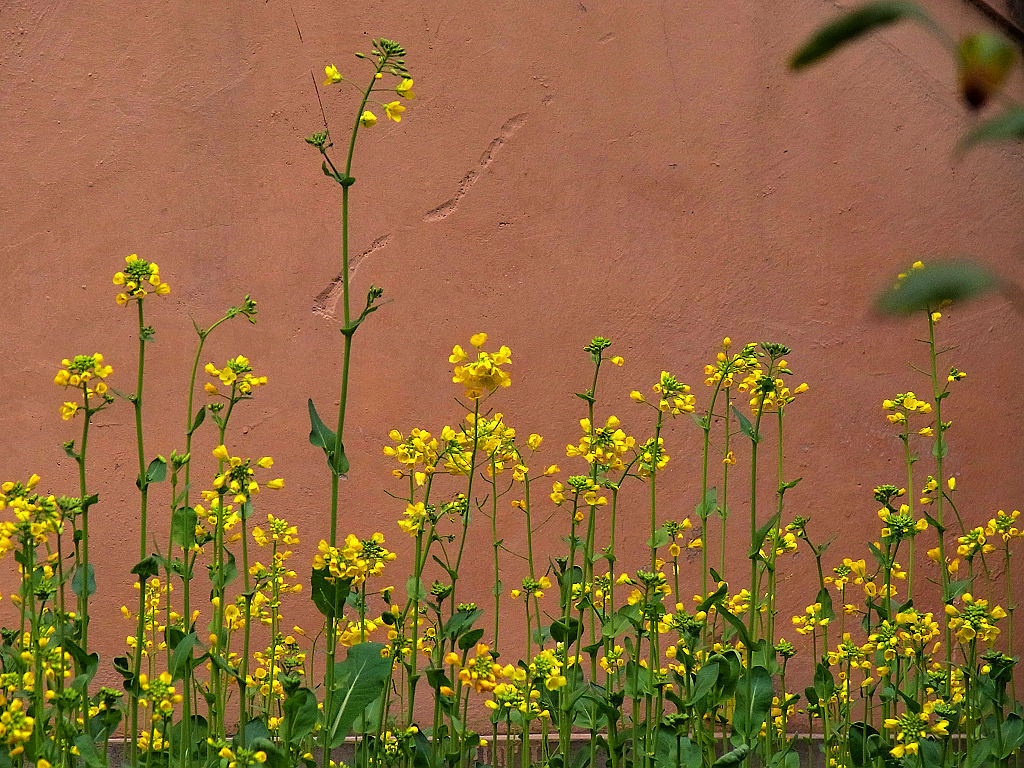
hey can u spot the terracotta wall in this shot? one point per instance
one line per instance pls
(650, 172)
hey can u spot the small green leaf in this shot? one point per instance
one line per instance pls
(156, 472)
(319, 435)
(181, 659)
(90, 582)
(659, 539)
(708, 504)
(199, 419)
(566, 630)
(852, 25)
(745, 426)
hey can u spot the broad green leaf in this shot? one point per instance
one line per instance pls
(853, 25)
(183, 526)
(703, 682)
(156, 472)
(88, 752)
(329, 595)
(359, 681)
(659, 539)
(222, 575)
(753, 702)
(926, 289)
(146, 568)
(300, 710)
(566, 630)
(471, 638)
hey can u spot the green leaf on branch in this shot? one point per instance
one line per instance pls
(183, 526)
(925, 289)
(329, 594)
(181, 659)
(199, 419)
(659, 539)
(853, 25)
(566, 630)
(300, 710)
(319, 435)
(78, 584)
(753, 706)
(223, 574)
(745, 426)
(708, 504)
(761, 535)
(359, 681)
(471, 638)
(146, 568)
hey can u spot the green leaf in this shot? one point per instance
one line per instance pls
(471, 638)
(955, 589)
(199, 419)
(862, 740)
(703, 683)
(852, 25)
(940, 448)
(984, 60)
(1013, 734)
(708, 504)
(659, 539)
(87, 751)
(222, 575)
(735, 757)
(156, 472)
(566, 630)
(415, 590)
(738, 625)
(89, 584)
(319, 435)
(301, 711)
(762, 534)
(181, 659)
(752, 706)
(359, 681)
(1006, 126)
(183, 526)
(146, 568)
(745, 426)
(329, 595)
(925, 289)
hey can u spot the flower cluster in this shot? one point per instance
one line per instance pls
(484, 374)
(136, 275)
(237, 375)
(77, 373)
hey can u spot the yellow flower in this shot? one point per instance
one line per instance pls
(404, 88)
(68, 410)
(368, 119)
(333, 75)
(394, 111)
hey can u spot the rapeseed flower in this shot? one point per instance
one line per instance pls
(137, 274)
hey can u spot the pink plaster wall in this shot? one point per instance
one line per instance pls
(650, 172)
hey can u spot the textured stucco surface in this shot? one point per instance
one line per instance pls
(649, 172)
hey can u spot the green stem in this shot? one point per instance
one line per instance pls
(143, 506)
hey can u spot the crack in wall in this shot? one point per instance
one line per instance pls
(326, 302)
(448, 207)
